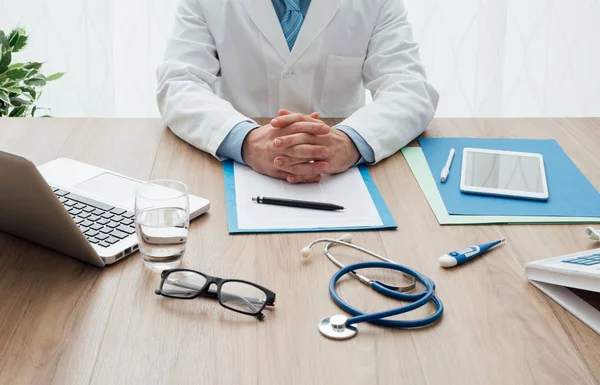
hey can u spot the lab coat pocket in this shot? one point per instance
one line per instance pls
(343, 83)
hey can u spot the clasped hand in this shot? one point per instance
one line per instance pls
(298, 148)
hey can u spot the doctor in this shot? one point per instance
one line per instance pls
(230, 60)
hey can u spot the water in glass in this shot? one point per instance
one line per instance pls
(162, 223)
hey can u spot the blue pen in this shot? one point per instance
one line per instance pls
(461, 256)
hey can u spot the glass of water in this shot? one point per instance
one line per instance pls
(162, 221)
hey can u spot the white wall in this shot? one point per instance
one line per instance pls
(486, 57)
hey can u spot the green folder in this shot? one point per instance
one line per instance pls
(418, 164)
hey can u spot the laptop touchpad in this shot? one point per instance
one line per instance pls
(111, 187)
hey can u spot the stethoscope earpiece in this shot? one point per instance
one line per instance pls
(592, 233)
(306, 252)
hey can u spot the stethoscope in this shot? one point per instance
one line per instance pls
(340, 327)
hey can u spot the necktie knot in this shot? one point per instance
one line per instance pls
(292, 22)
(292, 5)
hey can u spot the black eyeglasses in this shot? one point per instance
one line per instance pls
(233, 294)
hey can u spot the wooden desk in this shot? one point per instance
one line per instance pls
(63, 322)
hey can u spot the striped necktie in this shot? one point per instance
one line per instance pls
(291, 22)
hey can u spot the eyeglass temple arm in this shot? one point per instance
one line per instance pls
(255, 301)
(213, 294)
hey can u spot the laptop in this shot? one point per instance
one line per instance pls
(573, 281)
(79, 210)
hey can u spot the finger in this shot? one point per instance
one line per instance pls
(286, 120)
(307, 151)
(313, 128)
(295, 179)
(283, 112)
(306, 168)
(302, 138)
(285, 162)
(278, 174)
(316, 116)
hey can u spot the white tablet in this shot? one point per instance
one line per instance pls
(503, 173)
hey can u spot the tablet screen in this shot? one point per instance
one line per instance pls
(504, 171)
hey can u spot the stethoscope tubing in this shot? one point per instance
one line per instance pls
(418, 300)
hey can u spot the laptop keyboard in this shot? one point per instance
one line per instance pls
(585, 260)
(102, 224)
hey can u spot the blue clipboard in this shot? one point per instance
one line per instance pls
(232, 223)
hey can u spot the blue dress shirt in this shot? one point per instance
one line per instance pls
(231, 147)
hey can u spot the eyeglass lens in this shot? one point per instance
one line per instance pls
(242, 297)
(183, 284)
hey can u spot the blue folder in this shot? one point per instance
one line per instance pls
(384, 212)
(570, 193)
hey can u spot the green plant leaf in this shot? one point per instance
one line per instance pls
(16, 65)
(14, 90)
(29, 91)
(33, 111)
(36, 82)
(17, 39)
(13, 37)
(33, 65)
(4, 41)
(7, 84)
(20, 101)
(25, 96)
(33, 73)
(17, 74)
(55, 76)
(17, 112)
(21, 43)
(5, 62)
(4, 97)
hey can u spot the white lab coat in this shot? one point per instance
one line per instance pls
(228, 60)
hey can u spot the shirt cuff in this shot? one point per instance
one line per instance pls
(231, 147)
(366, 152)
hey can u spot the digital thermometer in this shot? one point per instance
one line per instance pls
(461, 256)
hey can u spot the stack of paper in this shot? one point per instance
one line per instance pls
(355, 190)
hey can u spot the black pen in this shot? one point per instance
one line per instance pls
(295, 203)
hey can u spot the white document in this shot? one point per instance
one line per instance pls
(581, 309)
(348, 190)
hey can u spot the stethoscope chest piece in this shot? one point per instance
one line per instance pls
(335, 327)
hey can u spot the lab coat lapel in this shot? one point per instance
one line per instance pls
(263, 15)
(319, 15)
